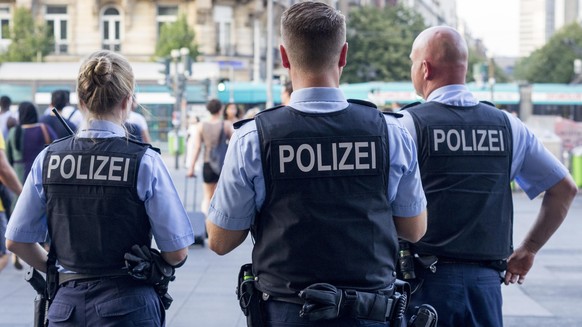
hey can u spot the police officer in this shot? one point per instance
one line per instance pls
(469, 152)
(104, 195)
(326, 186)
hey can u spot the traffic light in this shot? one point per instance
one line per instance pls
(164, 70)
(187, 62)
(221, 87)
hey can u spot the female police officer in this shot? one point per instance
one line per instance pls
(103, 194)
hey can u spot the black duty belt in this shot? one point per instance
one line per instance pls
(495, 264)
(63, 278)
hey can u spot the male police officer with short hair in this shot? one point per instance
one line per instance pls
(326, 187)
(469, 152)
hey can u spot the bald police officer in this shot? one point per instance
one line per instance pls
(469, 152)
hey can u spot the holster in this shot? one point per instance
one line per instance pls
(324, 301)
(52, 281)
(249, 298)
(40, 311)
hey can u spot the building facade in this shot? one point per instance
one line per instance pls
(231, 33)
(540, 19)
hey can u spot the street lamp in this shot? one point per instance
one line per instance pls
(491, 73)
(181, 61)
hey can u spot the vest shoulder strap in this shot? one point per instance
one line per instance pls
(362, 102)
(410, 105)
(393, 114)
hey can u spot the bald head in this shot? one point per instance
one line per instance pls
(441, 54)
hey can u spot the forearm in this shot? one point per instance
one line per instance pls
(221, 240)
(9, 179)
(411, 229)
(553, 211)
(32, 253)
(175, 257)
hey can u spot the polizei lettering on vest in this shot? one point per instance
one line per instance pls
(468, 140)
(88, 167)
(325, 157)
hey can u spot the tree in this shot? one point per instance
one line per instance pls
(30, 39)
(553, 63)
(380, 41)
(176, 35)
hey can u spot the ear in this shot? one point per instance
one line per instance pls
(284, 58)
(427, 70)
(343, 56)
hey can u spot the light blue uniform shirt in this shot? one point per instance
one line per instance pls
(533, 167)
(241, 189)
(170, 224)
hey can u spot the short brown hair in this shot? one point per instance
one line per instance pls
(214, 106)
(313, 34)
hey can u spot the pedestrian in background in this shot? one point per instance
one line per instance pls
(209, 133)
(137, 124)
(72, 113)
(104, 196)
(10, 183)
(469, 152)
(286, 91)
(59, 99)
(7, 119)
(313, 219)
(232, 113)
(27, 139)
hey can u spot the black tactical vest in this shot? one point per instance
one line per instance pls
(465, 161)
(94, 212)
(326, 217)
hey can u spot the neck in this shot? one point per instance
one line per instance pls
(322, 79)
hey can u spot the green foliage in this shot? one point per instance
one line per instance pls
(30, 39)
(176, 35)
(553, 63)
(379, 42)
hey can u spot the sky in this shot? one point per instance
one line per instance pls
(496, 22)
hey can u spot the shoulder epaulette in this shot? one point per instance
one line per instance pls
(63, 138)
(270, 109)
(394, 114)
(410, 105)
(241, 122)
(362, 102)
(145, 144)
(487, 102)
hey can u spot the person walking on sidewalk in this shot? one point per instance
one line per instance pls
(210, 133)
(326, 186)
(469, 152)
(9, 182)
(103, 196)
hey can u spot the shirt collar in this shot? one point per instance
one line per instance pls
(455, 95)
(102, 128)
(318, 99)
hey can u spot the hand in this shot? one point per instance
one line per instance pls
(148, 265)
(190, 173)
(518, 265)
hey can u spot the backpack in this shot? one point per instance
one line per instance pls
(218, 153)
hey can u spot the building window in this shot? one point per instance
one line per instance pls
(5, 22)
(57, 21)
(111, 29)
(223, 21)
(166, 14)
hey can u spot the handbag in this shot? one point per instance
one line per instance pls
(218, 153)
